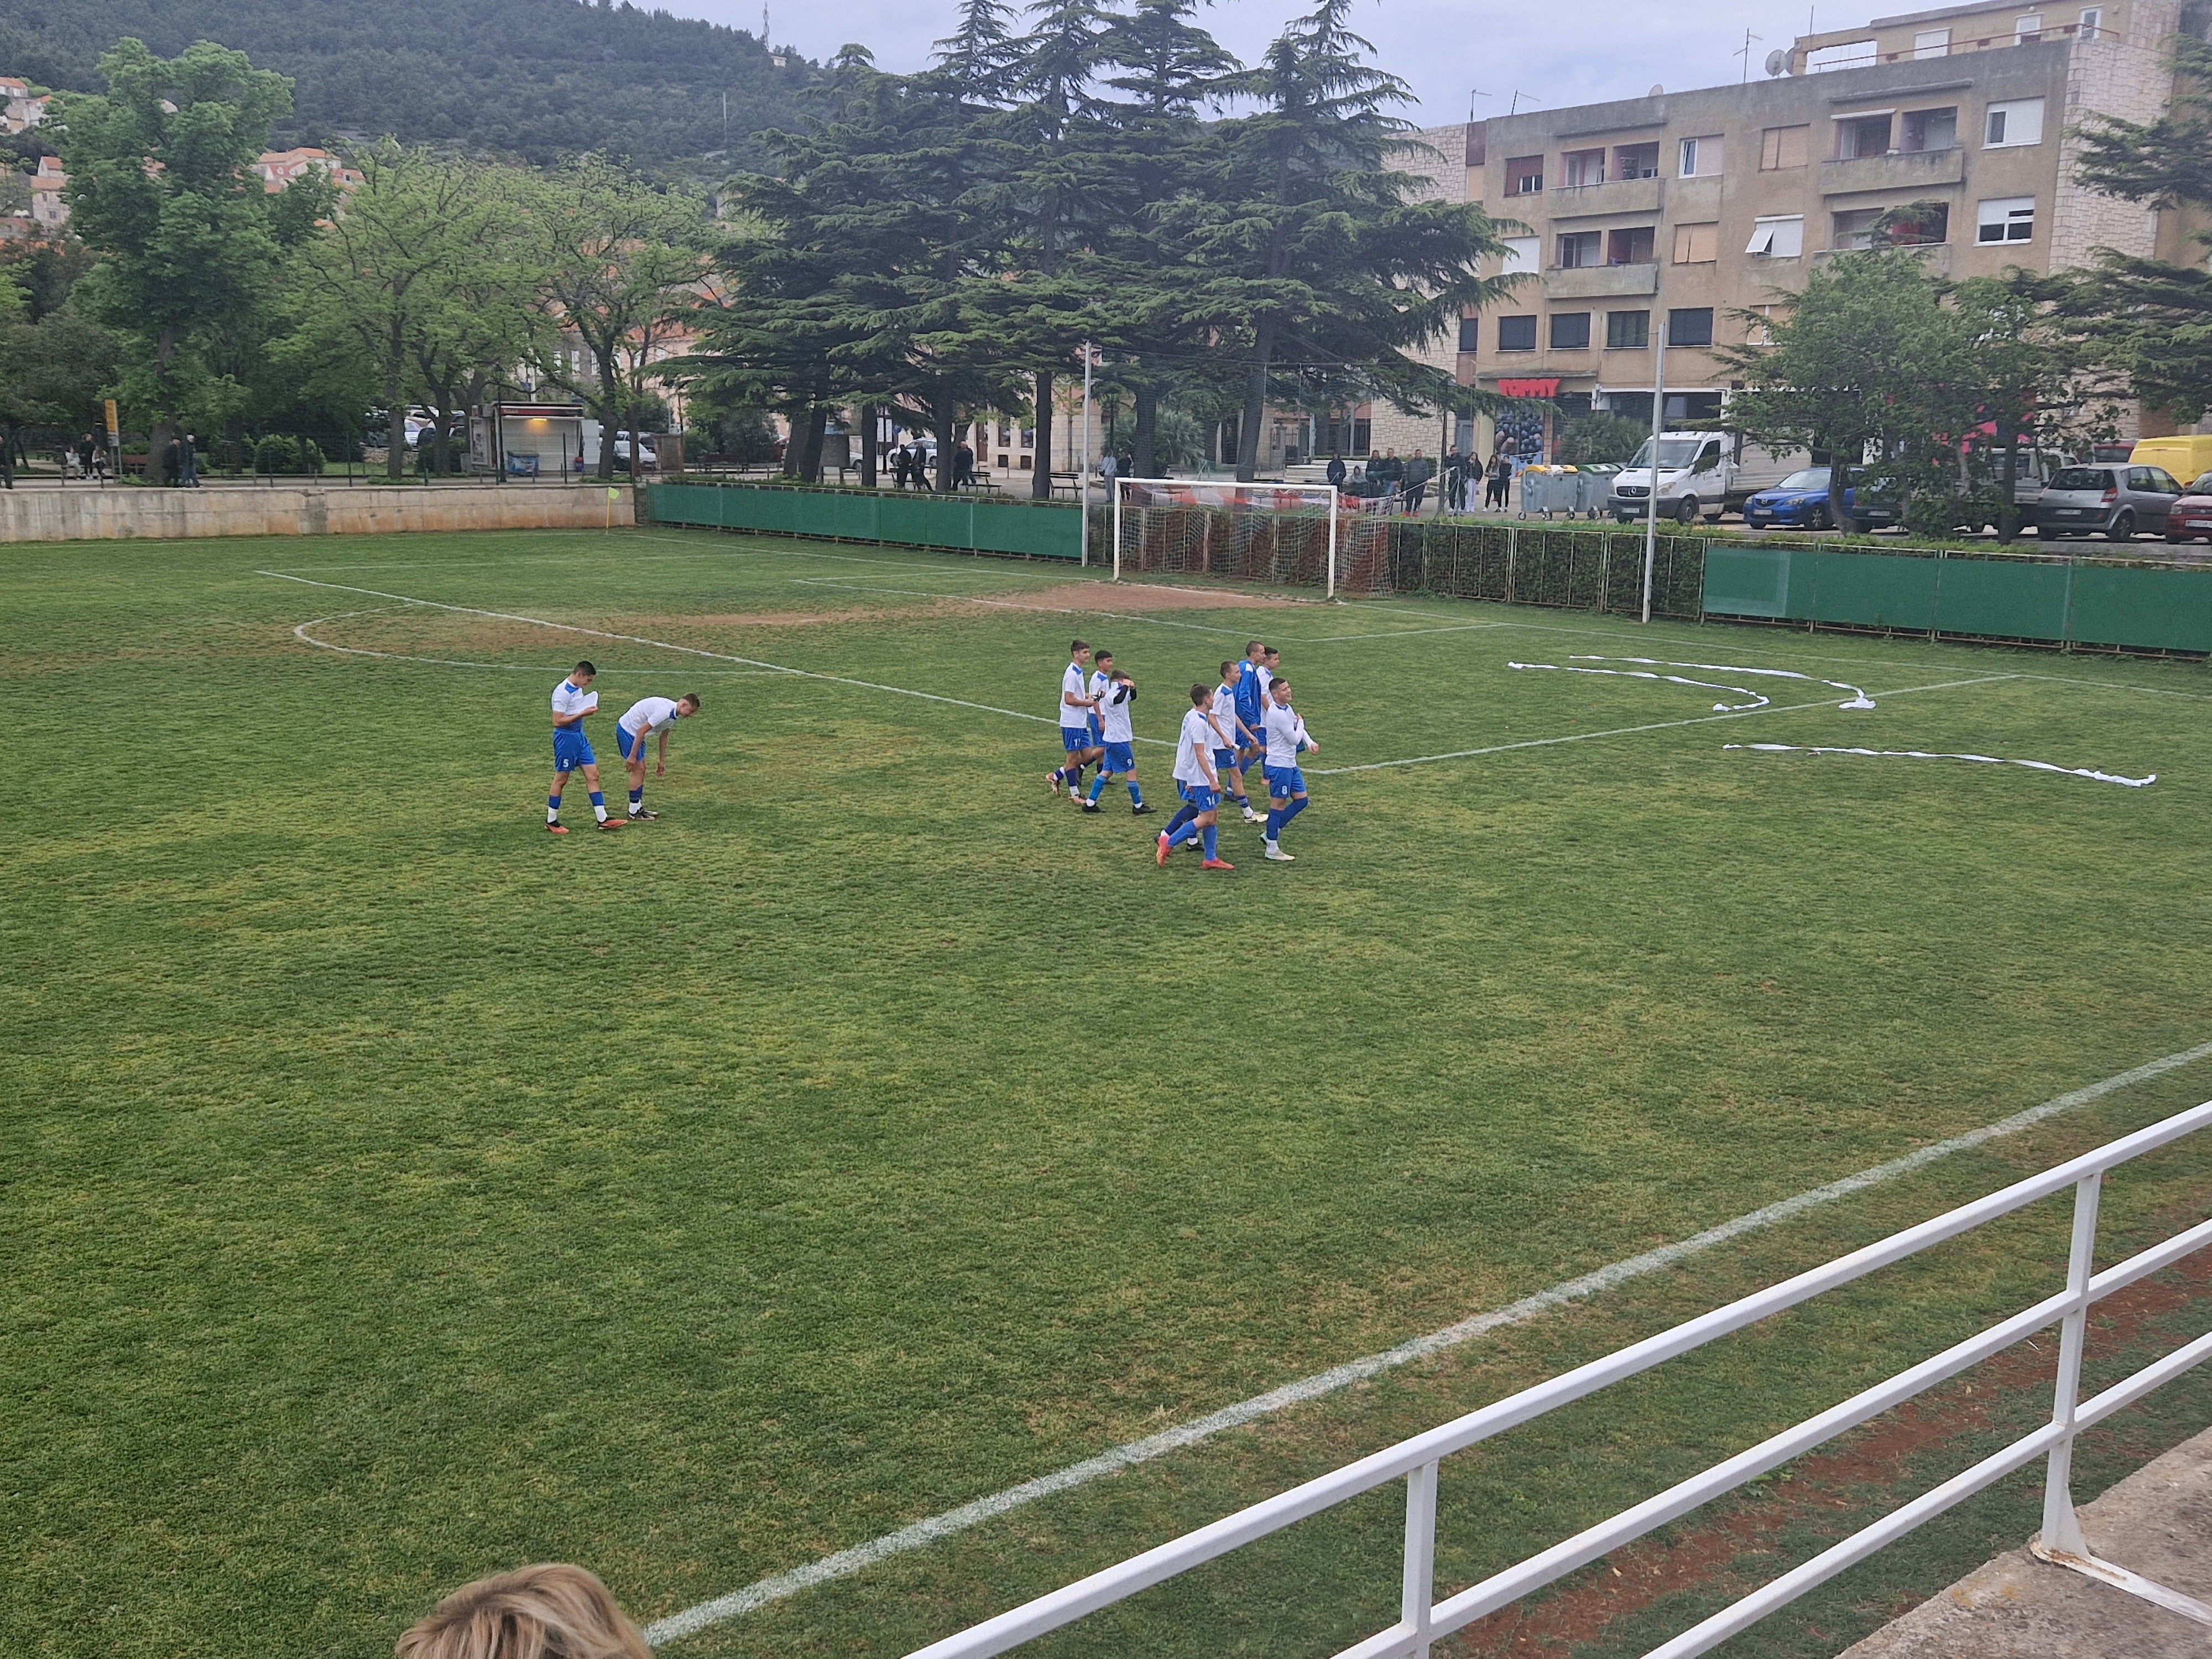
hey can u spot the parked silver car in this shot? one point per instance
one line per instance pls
(2109, 498)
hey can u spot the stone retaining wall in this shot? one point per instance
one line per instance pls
(126, 513)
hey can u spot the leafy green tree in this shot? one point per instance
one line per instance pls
(1602, 437)
(618, 260)
(161, 188)
(1865, 362)
(1312, 251)
(2149, 317)
(52, 373)
(389, 270)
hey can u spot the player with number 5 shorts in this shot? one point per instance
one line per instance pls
(572, 699)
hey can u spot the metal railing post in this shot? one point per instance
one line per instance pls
(1417, 1600)
(2062, 1528)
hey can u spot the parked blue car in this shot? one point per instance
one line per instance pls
(1801, 501)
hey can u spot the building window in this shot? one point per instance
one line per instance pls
(1854, 230)
(1697, 245)
(1632, 247)
(1777, 238)
(2028, 30)
(1861, 136)
(1580, 249)
(1849, 54)
(1932, 43)
(1783, 147)
(1930, 129)
(1627, 331)
(1690, 328)
(2019, 122)
(2092, 23)
(1517, 333)
(1636, 161)
(1570, 330)
(1579, 167)
(1920, 224)
(1524, 176)
(2007, 218)
(1470, 334)
(1701, 157)
(1522, 253)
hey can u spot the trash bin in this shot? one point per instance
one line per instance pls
(1541, 491)
(1593, 487)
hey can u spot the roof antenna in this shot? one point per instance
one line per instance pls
(1473, 94)
(1748, 36)
(764, 27)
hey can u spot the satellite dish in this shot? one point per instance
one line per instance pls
(1777, 61)
(1658, 91)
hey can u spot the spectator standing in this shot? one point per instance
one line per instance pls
(964, 467)
(1418, 470)
(1337, 470)
(1498, 478)
(188, 463)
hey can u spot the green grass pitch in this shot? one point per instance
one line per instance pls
(394, 1192)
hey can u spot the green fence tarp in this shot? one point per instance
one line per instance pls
(2127, 605)
(969, 524)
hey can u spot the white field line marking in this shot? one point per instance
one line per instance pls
(687, 650)
(301, 634)
(1631, 731)
(1922, 754)
(2120, 685)
(845, 1563)
(856, 586)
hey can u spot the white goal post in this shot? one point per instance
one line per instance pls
(1179, 520)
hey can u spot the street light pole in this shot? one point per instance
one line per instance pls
(1083, 467)
(1658, 425)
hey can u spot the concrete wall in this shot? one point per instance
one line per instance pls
(127, 513)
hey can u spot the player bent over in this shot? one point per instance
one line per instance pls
(1287, 784)
(1201, 784)
(1119, 742)
(645, 718)
(1076, 706)
(572, 750)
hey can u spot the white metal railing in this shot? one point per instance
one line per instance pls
(1424, 1619)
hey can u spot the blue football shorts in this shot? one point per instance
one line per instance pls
(1224, 760)
(1121, 757)
(1202, 799)
(627, 743)
(1285, 781)
(571, 748)
(1075, 738)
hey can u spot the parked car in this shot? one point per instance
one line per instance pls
(1801, 501)
(2192, 516)
(646, 458)
(2106, 499)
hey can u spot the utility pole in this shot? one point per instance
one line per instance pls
(1658, 426)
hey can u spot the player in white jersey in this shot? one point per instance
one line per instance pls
(1073, 712)
(1232, 734)
(647, 717)
(1287, 784)
(1116, 740)
(1201, 784)
(572, 699)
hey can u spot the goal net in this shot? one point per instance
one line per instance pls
(1303, 535)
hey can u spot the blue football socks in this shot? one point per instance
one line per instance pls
(1096, 784)
(1136, 796)
(1208, 840)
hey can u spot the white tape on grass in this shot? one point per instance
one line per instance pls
(1918, 754)
(845, 1563)
(1631, 731)
(1759, 699)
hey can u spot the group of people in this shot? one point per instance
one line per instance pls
(910, 465)
(1403, 482)
(1246, 720)
(648, 717)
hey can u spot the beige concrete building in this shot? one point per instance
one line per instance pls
(1689, 212)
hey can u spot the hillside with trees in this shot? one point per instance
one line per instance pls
(532, 80)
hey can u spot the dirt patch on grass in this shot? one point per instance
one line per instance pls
(1733, 1552)
(1145, 597)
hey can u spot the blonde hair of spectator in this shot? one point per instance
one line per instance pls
(549, 1611)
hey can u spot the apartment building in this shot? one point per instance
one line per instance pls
(20, 107)
(1687, 215)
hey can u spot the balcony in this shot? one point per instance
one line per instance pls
(1621, 196)
(1934, 257)
(1601, 281)
(1895, 171)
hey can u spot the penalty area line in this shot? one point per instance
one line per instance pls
(846, 1563)
(1631, 731)
(657, 644)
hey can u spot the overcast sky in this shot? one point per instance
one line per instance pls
(1567, 51)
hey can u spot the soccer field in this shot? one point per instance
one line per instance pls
(396, 1193)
